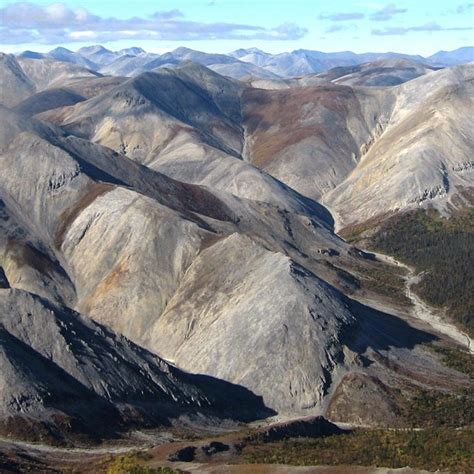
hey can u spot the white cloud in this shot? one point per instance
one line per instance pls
(27, 22)
(432, 26)
(82, 35)
(387, 12)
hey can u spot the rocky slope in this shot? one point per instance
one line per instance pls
(152, 232)
(62, 372)
(366, 152)
(422, 151)
(388, 72)
(177, 208)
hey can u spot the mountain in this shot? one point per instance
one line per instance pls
(128, 65)
(381, 73)
(242, 71)
(240, 53)
(307, 137)
(135, 64)
(419, 163)
(343, 123)
(302, 62)
(386, 72)
(191, 95)
(175, 219)
(220, 63)
(15, 84)
(65, 55)
(237, 64)
(186, 54)
(252, 55)
(134, 51)
(22, 77)
(136, 250)
(31, 55)
(51, 73)
(451, 58)
(34, 75)
(97, 55)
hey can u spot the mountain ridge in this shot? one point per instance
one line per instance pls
(182, 215)
(288, 64)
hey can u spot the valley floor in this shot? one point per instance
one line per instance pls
(360, 451)
(423, 311)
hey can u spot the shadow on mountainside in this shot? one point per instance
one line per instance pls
(378, 330)
(70, 378)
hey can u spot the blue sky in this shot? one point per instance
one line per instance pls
(422, 27)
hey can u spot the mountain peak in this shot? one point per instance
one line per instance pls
(94, 49)
(60, 49)
(133, 51)
(183, 50)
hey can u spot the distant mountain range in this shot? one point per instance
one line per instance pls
(241, 63)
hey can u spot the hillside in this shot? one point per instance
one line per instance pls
(182, 222)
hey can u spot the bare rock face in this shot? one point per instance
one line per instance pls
(421, 156)
(136, 244)
(363, 400)
(58, 365)
(15, 85)
(228, 324)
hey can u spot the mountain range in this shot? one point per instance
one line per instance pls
(238, 64)
(170, 241)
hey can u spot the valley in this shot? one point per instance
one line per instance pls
(204, 248)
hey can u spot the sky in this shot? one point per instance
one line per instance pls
(415, 27)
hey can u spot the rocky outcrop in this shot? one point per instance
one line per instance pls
(311, 427)
(363, 400)
(62, 372)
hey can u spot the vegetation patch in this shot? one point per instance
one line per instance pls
(434, 449)
(435, 409)
(456, 359)
(440, 248)
(384, 281)
(429, 409)
(135, 463)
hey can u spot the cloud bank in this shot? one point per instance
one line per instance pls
(426, 27)
(26, 22)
